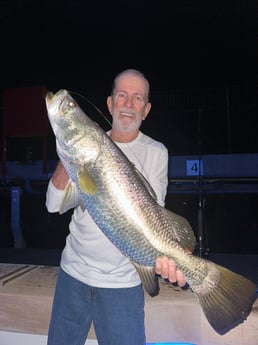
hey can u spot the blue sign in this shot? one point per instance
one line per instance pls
(194, 167)
(170, 344)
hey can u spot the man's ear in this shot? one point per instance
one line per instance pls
(147, 110)
(109, 104)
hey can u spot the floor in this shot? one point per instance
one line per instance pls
(246, 265)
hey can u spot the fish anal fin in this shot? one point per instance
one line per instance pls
(86, 181)
(148, 278)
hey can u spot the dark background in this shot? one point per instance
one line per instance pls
(179, 45)
(81, 45)
(187, 49)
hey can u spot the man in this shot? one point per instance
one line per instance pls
(96, 282)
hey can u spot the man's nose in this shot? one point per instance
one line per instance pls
(129, 101)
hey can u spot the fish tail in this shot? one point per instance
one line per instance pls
(229, 299)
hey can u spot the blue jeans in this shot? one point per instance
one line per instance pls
(117, 314)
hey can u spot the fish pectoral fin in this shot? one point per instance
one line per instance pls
(70, 199)
(86, 181)
(148, 278)
(182, 231)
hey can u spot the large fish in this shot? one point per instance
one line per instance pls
(123, 205)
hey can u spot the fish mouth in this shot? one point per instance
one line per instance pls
(51, 97)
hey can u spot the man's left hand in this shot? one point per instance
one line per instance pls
(166, 268)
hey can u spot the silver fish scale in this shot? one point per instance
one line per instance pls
(123, 207)
(122, 230)
(129, 230)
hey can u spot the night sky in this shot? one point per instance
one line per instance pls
(176, 43)
(80, 45)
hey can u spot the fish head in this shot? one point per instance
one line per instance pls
(78, 138)
(61, 109)
(55, 104)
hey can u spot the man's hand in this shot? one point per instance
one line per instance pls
(167, 269)
(60, 177)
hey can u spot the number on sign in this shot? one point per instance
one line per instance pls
(194, 167)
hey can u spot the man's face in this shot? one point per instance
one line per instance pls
(129, 103)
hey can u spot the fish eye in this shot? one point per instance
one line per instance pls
(71, 104)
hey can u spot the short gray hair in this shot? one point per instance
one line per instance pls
(136, 73)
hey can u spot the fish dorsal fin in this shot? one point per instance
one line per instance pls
(70, 199)
(86, 181)
(148, 278)
(182, 231)
(146, 183)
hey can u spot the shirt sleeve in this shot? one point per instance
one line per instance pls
(55, 197)
(158, 177)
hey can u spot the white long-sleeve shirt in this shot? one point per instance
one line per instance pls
(88, 255)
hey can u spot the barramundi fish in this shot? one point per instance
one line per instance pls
(124, 206)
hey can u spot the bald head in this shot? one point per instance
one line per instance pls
(134, 73)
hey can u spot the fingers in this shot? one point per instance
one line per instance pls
(180, 278)
(167, 269)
